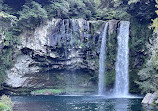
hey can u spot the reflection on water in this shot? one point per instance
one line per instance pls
(76, 103)
(123, 106)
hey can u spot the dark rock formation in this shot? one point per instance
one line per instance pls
(61, 54)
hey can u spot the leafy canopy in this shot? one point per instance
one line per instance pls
(155, 21)
(148, 75)
(32, 15)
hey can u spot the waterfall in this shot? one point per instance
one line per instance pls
(102, 58)
(122, 81)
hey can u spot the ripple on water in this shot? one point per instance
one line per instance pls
(76, 103)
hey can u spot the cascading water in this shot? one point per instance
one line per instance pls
(102, 58)
(122, 81)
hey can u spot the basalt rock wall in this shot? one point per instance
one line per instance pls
(61, 54)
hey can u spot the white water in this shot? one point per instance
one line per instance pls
(122, 80)
(102, 58)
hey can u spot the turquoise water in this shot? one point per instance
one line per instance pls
(77, 103)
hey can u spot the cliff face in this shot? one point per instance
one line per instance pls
(61, 53)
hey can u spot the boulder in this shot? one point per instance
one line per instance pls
(147, 98)
(150, 98)
(153, 97)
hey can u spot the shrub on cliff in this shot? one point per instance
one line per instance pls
(143, 10)
(71, 9)
(7, 42)
(31, 15)
(155, 21)
(58, 9)
(5, 103)
(4, 107)
(82, 9)
(148, 75)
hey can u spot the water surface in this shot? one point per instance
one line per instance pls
(77, 103)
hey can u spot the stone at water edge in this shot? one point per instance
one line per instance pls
(146, 99)
(150, 98)
(154, 96)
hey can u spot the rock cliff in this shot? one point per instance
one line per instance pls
(61, 54)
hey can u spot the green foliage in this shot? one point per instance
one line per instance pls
(112, 9)
(71, 9)
(153, 103)
(143, 11)
(117, 3)
(140, 35)
(6, 21)
(84, 8)
(148, 78)
(114, 14)
(133, 1)
(4, 107)
(6, 61)
(110, 78)
(31, 16)
(97, 2)
(4, 7)
(47, 91)
(9, 42)
(58, 9)
(87, 9)
(96, 26)
(5, 103)
(155, 21)
(1, 5)
(7, 16)
(155, 25)
(148, 75)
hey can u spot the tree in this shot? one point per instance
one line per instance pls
(143, 10)
(32, 15)
(58, 9)
(149, 74)
(71, 9)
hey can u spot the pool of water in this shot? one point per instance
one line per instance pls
(77, 103)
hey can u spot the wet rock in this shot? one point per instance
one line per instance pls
(112, 26)
(150, 98)
(147, 98)
(153, 97)
(67, 41)
(16, 75)
(53, 51)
